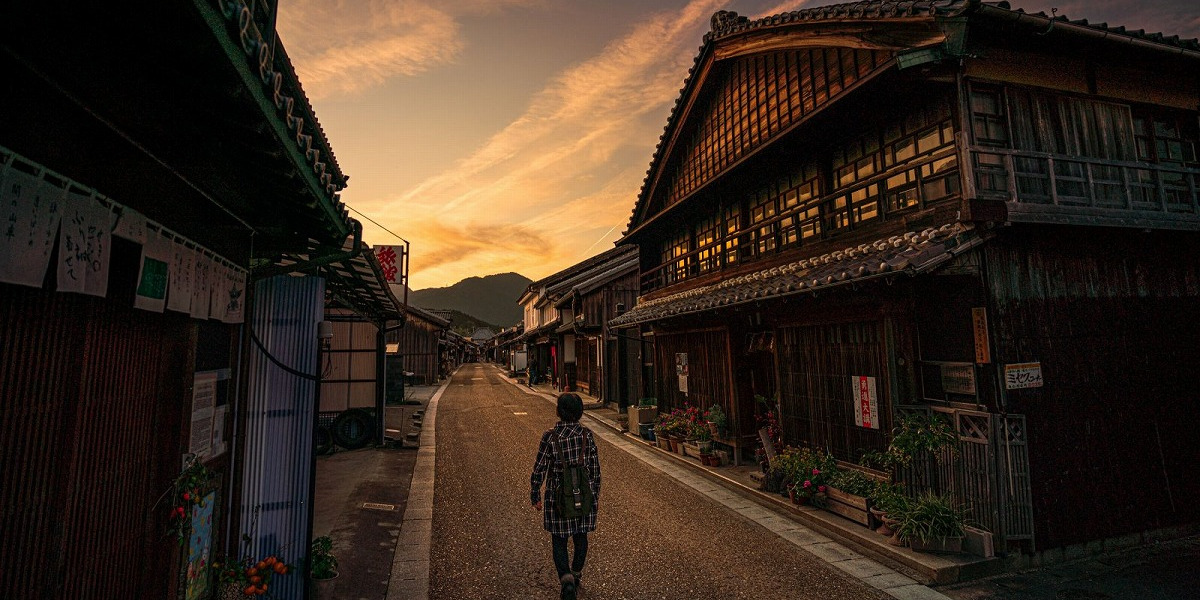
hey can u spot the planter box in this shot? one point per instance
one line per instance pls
(689, 449)
(949, 545)
(855, 508)
(642, 414)
(978, 542)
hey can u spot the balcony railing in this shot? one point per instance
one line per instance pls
(1057, 188)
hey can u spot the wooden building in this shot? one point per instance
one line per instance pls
(173, 233)
(566, 314)
(418, 347)
(866, 209)
(603, 362)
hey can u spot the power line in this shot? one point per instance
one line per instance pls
(377, 224)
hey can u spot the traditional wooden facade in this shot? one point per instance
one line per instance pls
(172, 234)
(550, 323)
(603, 362)
(866, 209)
(418, 347)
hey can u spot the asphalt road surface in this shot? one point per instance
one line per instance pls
(655, 538)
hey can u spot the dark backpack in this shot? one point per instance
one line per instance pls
(573, 498)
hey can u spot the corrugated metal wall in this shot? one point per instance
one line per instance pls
(277, 466)
(92, 394)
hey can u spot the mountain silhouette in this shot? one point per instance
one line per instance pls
(492, 299)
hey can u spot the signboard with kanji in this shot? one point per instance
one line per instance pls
(1019, 376)
(983, 354)
(390, 258)
(866, 401)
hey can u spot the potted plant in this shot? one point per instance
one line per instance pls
(248, 577)
(322, 566)
(703, 437)
(917, 435)
(849, 494)
(932, 523)
(718, 423)
(887, 500)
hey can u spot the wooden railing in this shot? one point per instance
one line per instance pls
(1071, 189)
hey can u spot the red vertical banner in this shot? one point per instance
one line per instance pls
(388, 262)
(866, 409)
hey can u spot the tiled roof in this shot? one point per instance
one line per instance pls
(728, 23)
(909, 254)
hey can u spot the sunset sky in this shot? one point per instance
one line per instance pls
(513, 135)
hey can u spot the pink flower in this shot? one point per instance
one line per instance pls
(821, 489)
(807, 483)
(816, 471)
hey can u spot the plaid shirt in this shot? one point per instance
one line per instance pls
(576, 443)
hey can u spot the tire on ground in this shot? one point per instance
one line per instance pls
(353, 429)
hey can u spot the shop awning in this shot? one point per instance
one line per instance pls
(910, 254)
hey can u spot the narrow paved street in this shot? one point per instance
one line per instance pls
(656, 538)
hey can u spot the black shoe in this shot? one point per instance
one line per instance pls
(568, 586)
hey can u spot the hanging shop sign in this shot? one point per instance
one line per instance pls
(866, 401)
(983, 354)
(1019, 376)
(389, 260)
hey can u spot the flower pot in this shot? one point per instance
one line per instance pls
(886, 525)
(646, 430)
(706, 446)
(712, 428)
(322, 589)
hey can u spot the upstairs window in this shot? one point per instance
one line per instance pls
(988, 123)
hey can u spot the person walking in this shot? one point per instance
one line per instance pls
(567, 443)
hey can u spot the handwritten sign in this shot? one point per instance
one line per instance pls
(983, 353)
(84, 246)
(201, 296)
(179, 274)
(31, 213)
(866, 401)
(1018, 376)
(235, 299)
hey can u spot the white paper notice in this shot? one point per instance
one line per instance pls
(31, 212)
(179, 277)
(201, 296)
(204, 399)
(130, 225)
(219, 291)
(218, 430)
(237, 297)
(84, 246)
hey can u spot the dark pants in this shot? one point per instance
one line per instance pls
(559, 544)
